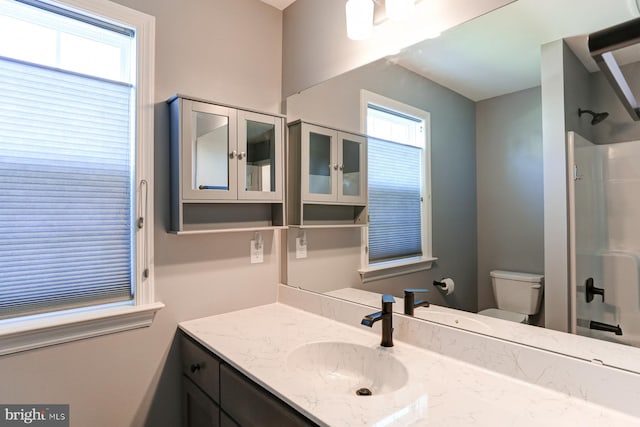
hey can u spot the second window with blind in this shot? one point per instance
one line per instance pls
(399, 182)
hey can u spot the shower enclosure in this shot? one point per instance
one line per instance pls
(604, 221)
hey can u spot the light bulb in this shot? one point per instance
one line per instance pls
(398, 10)
(359, 19)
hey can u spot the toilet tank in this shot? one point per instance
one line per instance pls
(517, 292)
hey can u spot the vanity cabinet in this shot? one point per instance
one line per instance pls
(216, 394)
(326, 176)
(227, 167)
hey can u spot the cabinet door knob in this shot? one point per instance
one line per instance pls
(242, 155)
(195, 368)
(233, 154)
(341, 167)
(335, 167)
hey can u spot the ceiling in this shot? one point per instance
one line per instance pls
(499, 53)
(279, 4)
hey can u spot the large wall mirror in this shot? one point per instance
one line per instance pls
(481, 84)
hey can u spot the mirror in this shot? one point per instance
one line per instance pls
(480, 82)
(261, 156)
(212, 145)
(319, 164)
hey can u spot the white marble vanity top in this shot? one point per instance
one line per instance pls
(441, 391)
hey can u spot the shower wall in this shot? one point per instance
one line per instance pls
(606, 195)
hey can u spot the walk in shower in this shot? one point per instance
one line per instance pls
(604, 220)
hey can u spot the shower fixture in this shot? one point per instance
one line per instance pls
(597, 117)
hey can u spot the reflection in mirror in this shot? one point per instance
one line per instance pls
(486, 106)
(350, 168)
(261, 157)
(606, 244)
(212, 145)
(319, 163)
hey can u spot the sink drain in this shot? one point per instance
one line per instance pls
(363, 392)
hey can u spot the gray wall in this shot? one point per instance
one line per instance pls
(224, 50)
(509, 187)
(453, 165)
(578, 93)
(556, 250)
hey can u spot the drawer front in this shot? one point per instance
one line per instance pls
(226, 421)
(198, 408)
(201, 367)
(250, 405)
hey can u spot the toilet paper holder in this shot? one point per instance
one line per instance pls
(445, 285)
(439, 284)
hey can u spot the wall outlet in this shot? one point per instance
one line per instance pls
(257, 252)
(301, 248)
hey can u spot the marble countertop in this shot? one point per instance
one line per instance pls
(441, 391)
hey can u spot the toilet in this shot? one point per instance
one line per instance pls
(518, 295)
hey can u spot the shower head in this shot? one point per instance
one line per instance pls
(596, 117)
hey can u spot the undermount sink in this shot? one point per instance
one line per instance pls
(347, 368)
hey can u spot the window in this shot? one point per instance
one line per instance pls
(399, 232)
(75, 170)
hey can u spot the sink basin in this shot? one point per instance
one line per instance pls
(346, 368)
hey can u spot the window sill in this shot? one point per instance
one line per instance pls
(42, 331)
(388, 269)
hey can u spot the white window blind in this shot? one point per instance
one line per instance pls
(66, 190)
(395, 200)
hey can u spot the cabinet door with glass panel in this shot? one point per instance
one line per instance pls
(352, 182)
(332, 166)
(209, 151)
(260, 156)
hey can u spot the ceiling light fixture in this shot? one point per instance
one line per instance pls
(359, 19)
(399, 10)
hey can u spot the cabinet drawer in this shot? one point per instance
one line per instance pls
(251, 405)
(198, 408)
(201, 367)
(226, 421)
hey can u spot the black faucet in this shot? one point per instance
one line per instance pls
(410, 300)
(386, 315)
(605, 327)
(591, 290)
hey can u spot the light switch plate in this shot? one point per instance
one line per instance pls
(257, 254)
(301, 248)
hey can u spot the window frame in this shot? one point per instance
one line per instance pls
(35, 331)
(392, 268)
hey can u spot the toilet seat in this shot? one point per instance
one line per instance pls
(504, 315)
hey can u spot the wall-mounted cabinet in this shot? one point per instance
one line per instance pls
(326, 176)
(227, 167)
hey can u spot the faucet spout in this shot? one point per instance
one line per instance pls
(370, 319)
(410, 302)
(386, 315)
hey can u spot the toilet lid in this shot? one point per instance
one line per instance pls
(504, 315)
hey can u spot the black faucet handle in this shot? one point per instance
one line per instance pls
(387, 298)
